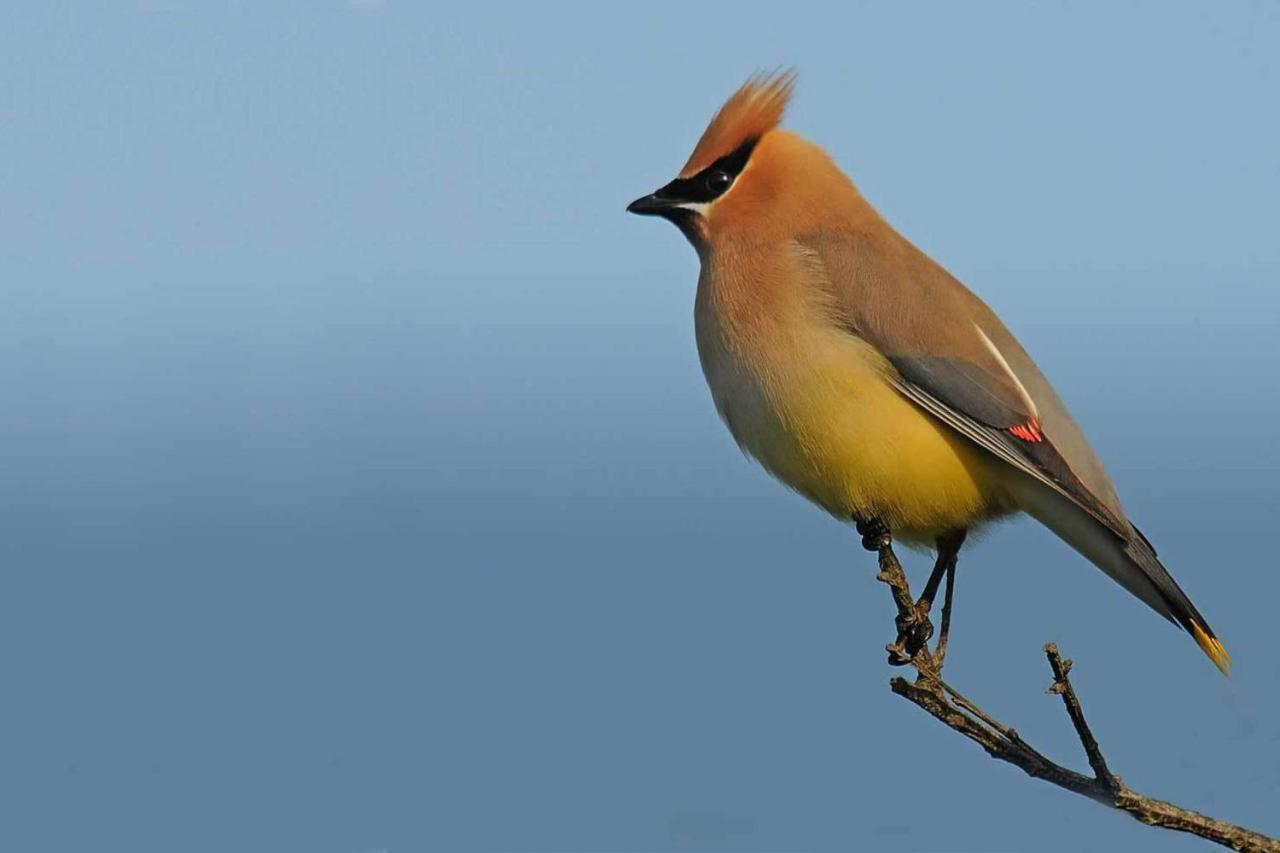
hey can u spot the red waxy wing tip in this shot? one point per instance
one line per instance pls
(1029, 431)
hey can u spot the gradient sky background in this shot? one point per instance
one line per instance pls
(360, 489)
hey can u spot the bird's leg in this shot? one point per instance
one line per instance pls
(915, 629)
(948, 555)
(876, 537)
(917, 632)
(948, 547)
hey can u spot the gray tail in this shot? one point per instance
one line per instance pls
(1131, 562)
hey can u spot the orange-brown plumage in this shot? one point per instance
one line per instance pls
(750, 113)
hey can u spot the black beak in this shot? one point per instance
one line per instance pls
(668, 203)
(651, 205)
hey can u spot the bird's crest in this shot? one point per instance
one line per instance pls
(750, 113)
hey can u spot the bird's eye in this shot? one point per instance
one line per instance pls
(719, 181)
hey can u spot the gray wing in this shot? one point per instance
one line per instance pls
(957, 361)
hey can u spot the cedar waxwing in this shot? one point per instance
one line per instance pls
(860, 373)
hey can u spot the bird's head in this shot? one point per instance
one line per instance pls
(745, 173)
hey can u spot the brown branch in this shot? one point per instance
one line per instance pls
(1062, 686)
(953, 710)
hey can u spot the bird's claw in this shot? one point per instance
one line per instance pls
(875, 534)
(914, 633)
(897, 655)
(914, 628)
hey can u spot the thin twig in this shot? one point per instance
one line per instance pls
(1002, 742)
(1062, 686)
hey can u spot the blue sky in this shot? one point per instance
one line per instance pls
(360, 490)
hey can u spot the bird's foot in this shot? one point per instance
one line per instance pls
(914, 632)
(875, 534)
(912, 621)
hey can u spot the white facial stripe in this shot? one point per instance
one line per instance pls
(1026, 398)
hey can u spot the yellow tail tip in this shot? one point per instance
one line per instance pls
(1212, 647)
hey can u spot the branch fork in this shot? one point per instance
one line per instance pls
(943, 702)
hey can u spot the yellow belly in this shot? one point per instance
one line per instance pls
(817, 412)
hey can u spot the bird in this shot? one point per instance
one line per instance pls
(860, 373)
